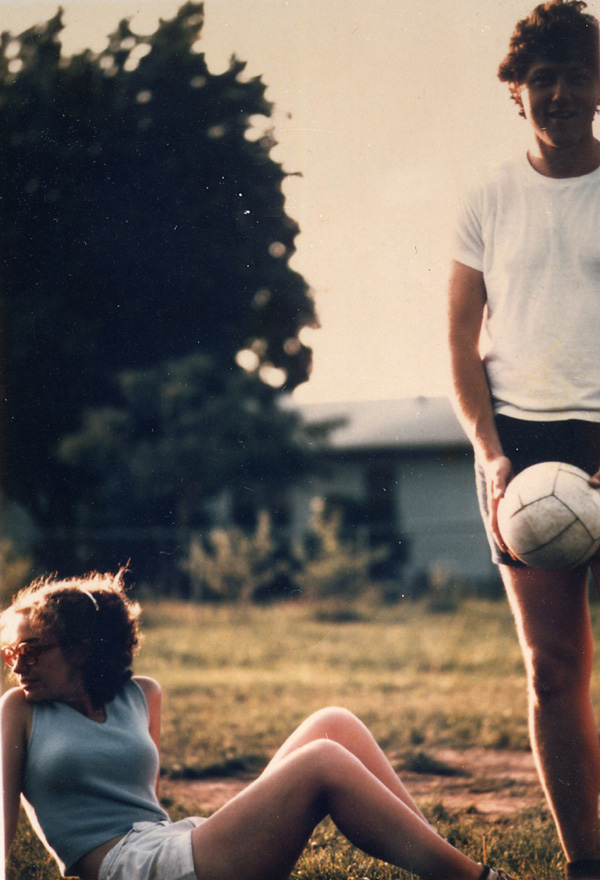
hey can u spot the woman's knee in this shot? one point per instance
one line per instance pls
(333, 722)
(332, 716)
(323, 757)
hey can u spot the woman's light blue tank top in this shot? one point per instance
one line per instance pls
(85, 782)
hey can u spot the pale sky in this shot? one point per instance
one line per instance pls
(386, 107)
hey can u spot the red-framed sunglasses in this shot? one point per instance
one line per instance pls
(28, 652)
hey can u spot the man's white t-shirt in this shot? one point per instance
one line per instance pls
(537, 241)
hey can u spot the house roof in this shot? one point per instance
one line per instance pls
(413, 423)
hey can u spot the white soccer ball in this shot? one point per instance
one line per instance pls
(550, 516)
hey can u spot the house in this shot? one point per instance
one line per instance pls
(403, 470)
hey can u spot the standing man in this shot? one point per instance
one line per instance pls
(524, 325)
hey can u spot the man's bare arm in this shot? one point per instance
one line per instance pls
(472, 399)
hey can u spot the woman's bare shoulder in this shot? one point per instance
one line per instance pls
(147, 684)
(153, 693)
(16, 712)
(14, 700)
(150, 687)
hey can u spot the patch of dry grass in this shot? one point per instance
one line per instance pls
(237, 680)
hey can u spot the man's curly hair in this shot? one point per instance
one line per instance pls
(556, 31)
(90, 616)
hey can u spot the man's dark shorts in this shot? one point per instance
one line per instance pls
(525, 443)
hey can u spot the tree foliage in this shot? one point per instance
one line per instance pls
(139, 223)
(183, 434)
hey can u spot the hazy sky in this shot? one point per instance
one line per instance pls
(385, 107)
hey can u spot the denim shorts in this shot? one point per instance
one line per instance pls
(574, 441)
(153, 851)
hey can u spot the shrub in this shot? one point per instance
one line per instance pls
(334, 567)
(234, 566)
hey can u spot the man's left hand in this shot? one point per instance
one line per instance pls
(595, 480)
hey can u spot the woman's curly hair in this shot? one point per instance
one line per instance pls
(555, 31)
(89, 616)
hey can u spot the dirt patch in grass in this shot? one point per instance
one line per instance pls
(492, 783)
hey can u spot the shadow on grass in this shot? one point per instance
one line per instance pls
(422, 762)
(248, 765)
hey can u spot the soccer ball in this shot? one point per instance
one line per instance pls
(550, 516)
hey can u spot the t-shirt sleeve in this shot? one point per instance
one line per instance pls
(467, 242)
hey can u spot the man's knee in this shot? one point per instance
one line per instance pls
(555, 675)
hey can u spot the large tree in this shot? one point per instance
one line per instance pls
(138, 223)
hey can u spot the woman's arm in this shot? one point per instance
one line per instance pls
(15, 718)
(153, 693)
(472, 398)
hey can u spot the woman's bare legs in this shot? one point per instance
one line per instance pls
(343, 727)
(261, 833)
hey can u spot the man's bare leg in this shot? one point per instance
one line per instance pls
(553, 623)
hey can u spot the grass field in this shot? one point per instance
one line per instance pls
(236, 680)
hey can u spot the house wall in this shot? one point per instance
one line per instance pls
(344, 479)
(437, 511)
(434, 509)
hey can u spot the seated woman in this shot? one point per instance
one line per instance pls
(80, 738)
